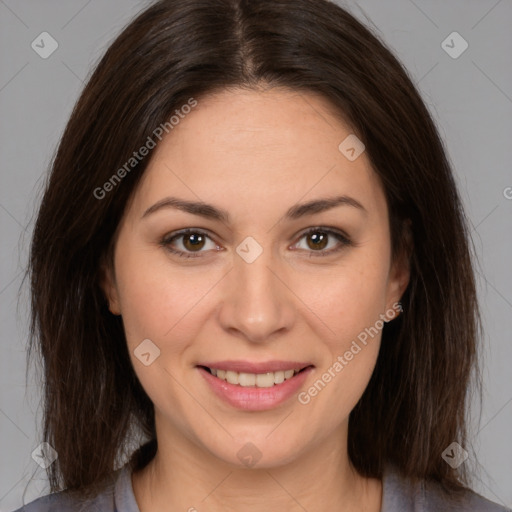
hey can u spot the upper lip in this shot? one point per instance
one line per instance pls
(251, 367)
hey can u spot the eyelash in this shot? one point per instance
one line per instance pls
(343, 239)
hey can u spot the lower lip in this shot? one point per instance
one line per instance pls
(253, 398)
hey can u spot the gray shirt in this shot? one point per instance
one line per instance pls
(397, 496)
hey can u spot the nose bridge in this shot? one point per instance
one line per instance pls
(257, 303)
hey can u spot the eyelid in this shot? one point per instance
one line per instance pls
(170, 237)
(324, 229)
(342, 238)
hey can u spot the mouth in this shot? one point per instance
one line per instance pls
(267, 379)
(250, 386)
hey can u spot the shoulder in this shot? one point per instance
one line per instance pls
(435, 498)
(426, 496)
(63, 502)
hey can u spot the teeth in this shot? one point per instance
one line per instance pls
(278, 377)
(246, 379)
(265, 380)
(260, 380)
(288, 374)
(232, 377)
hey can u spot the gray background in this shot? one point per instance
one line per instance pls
(470, 98)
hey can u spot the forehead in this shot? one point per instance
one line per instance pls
(258, 148)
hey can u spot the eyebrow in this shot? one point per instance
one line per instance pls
(295, 212)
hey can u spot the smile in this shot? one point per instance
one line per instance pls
(259, 380)
(258, 391)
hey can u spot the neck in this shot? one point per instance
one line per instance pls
(182, 476)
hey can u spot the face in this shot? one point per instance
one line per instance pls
(258, 286)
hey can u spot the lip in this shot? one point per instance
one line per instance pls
(250, 367)
(253, 398)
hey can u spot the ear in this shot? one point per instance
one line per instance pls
(400, 272)
(109, 286)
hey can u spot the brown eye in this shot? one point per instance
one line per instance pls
(317, 240)
(193, 241)
(187, 244)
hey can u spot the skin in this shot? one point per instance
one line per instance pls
(254, 154)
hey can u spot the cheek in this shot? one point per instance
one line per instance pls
(163, 308)
(157, 304)
(347, 306)
(347, 299)
(349, 348)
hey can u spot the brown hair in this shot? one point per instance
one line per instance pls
(415, 403)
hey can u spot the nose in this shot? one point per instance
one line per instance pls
(258, 304)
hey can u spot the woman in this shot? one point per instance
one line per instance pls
(251, 251)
